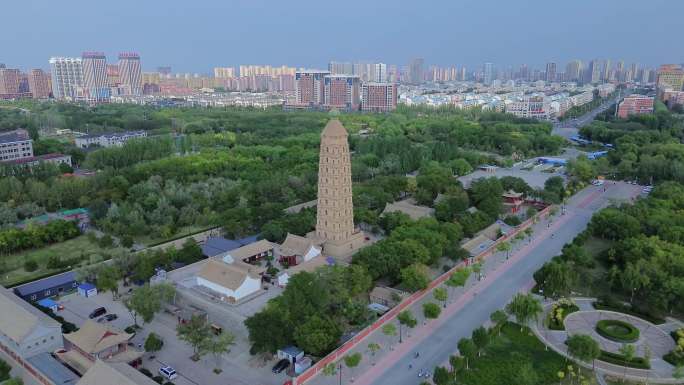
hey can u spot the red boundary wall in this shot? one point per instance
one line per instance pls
(406, 303)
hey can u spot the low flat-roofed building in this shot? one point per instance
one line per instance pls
(47, 287)
(108, 139)
(386, 296)
(25, 330)
(53, 370)
(15, 145)
(108, 373)
(231, 281)
(252, 252)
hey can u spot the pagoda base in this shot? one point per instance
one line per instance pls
(343, 250)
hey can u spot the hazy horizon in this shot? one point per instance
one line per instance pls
(199, 35)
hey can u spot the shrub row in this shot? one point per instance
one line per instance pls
(603, 327)
(619, 359)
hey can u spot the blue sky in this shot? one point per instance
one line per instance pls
(196, 35)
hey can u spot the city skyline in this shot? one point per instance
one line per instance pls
(477, 33)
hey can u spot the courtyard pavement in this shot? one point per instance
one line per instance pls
(653, 337)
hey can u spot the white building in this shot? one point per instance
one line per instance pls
(15, 145)
(108, 139)
(231, 281)
(67, 77)
(95, 76)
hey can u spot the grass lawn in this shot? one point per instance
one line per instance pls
(13, 265)
(149, 240)
(502, 358)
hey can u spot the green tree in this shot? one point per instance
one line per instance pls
(441, 294)
(352, 361)
(628, 352)
(373, 348)
(196, 332)
(406, 318)
(108, 277)
(431, 310)
(481, 339)
(583, 347)
(524, 307)
(148, 300)
(525, 375)
(457, 364)
(458, 278)
(219, 346)
(498, 318)
(415, 277)
(504, 247)
(467, 348)
(318, 335)
(555, 278)
(153, 343)
(442, 376)
(14, 381)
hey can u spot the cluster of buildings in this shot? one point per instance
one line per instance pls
(34, 345)
(16, 149)
(670, 84)
(319, 89)
(540, 100)
(114, 139)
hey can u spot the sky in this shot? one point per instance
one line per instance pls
(197, 35)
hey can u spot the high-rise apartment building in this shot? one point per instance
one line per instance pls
(416, 71)
(310, 87)
(342, 91)
(573, 71)
(95, 76)
(67, 77)
(130, 73)
(488, 73)
(594, 72)
(224, 72)
(605, 73)
(670, 76)
(550, 72)
(340, 68)
(39, 84)
(113, 75)
(378, 73)
(165, 70)
(378, 97)
(9, 83)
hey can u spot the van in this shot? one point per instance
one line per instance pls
(97, 312)
(168, 372)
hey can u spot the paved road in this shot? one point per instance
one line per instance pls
(438, 340)
(571, 127)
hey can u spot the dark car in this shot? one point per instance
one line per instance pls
(111, 317)
(281, 365)
(97, 312)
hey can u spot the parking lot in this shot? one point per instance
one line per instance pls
(238, 366)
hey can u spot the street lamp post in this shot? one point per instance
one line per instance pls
(340, 371)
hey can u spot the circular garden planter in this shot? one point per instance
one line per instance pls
(617, 331)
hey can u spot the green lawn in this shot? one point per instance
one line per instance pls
(149, 240)
(502, 359)
(12, 266)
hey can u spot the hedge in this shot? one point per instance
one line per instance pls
(619, 359)
(603, 328)
(628, 310)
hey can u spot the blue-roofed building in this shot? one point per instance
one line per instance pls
(47, 287)
(214, 246)
(49, 304)
(596, 154)
(554, 161)
(87, 290)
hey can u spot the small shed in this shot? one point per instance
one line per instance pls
(291, 353)
(87, 290)
(49, 304)
(302, 364)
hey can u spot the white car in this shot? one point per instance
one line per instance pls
(168, 372)
(597, 182)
